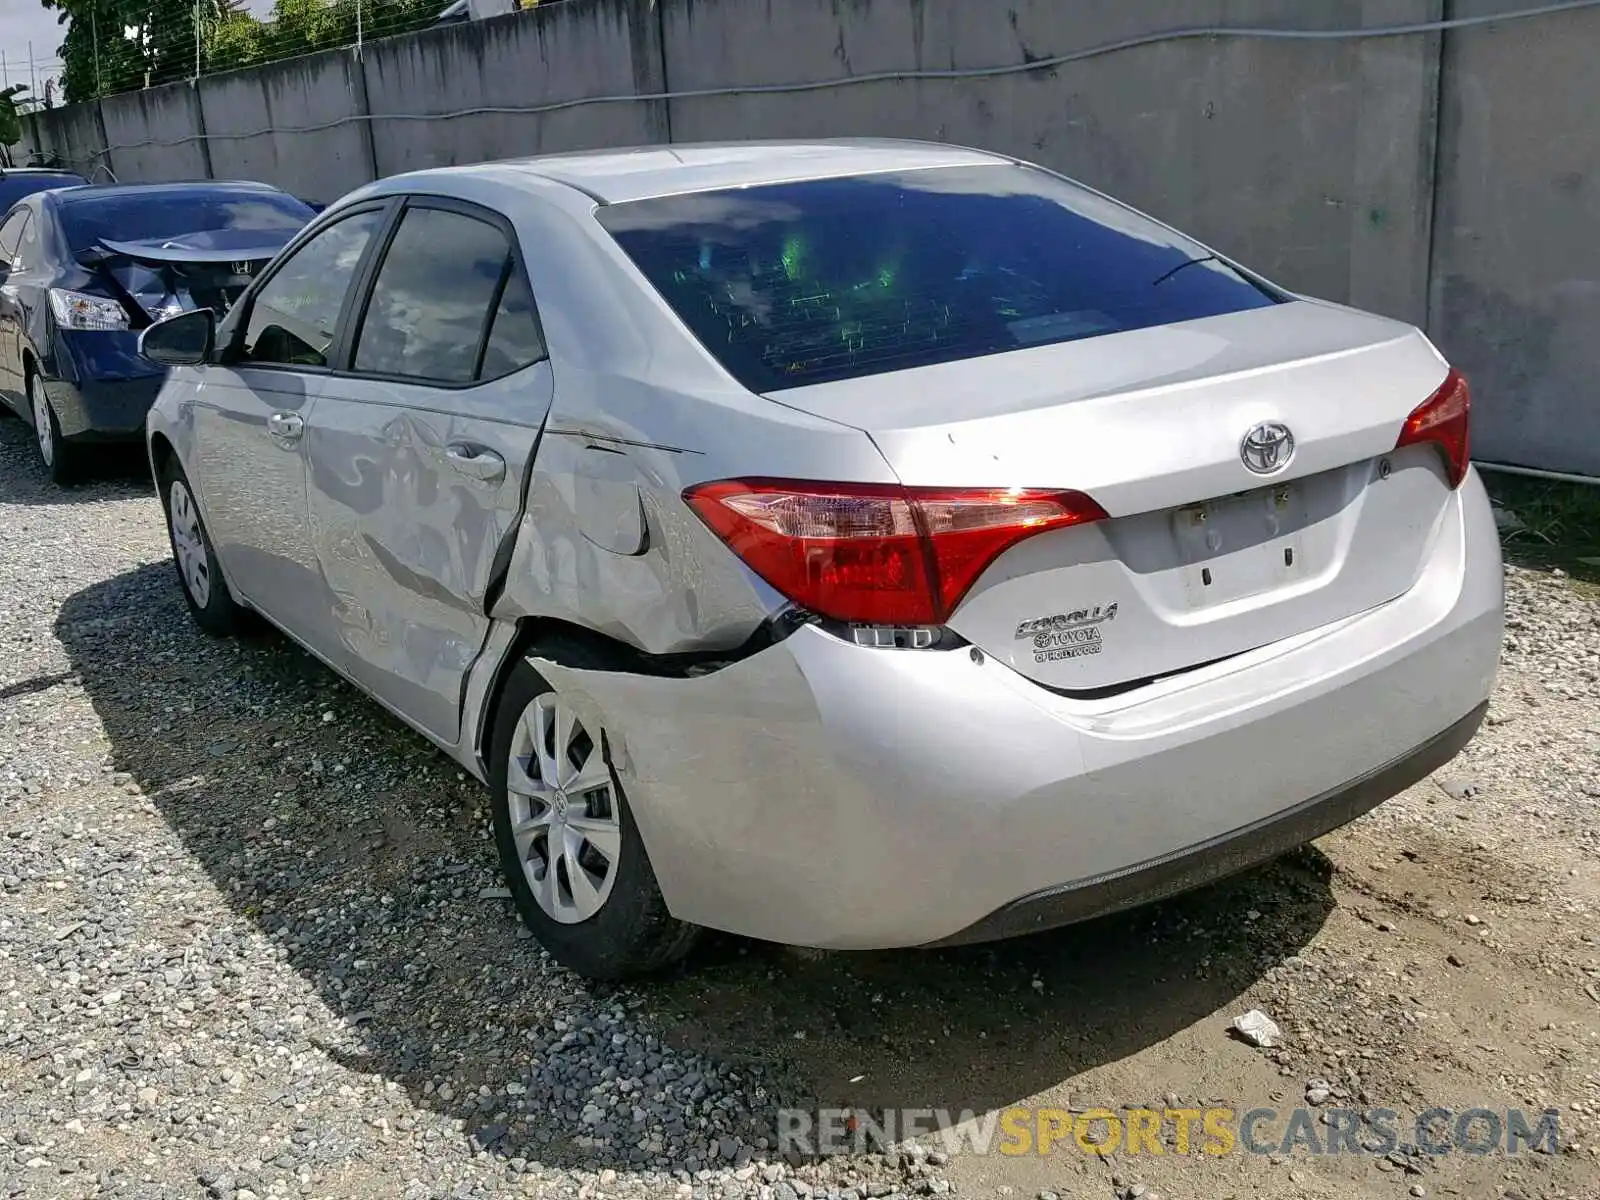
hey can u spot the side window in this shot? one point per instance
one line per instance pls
(514, 340)
(292, 317)
(11, 234)
(432, 297)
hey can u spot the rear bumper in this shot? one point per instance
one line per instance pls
(103, 389)
(824, 794)
(99, 411)
(1224, 855)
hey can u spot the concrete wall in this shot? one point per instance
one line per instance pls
(1448, 179)
(1309, 160)
(1516, 263)
(247, 112)
(154, 134)
(74, 134)
(598, 48)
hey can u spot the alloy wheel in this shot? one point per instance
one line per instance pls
(43, 429)
(194, 566)
(563, 810)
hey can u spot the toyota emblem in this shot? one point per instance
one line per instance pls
(1267, 448)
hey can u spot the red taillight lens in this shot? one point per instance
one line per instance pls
(878, 554)
(1443, 419)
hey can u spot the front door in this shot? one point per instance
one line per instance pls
(250, 417)
(419, 454)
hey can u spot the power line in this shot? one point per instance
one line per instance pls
(192, 39)
(1192, 33)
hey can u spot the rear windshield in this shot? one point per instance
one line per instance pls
(15, 187)
(144, 216)
(822, 280)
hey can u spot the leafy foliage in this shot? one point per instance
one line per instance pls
(113, 46)
(116, 45)
(10, 123)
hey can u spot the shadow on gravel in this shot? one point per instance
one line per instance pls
(123, 466)
(361, 853)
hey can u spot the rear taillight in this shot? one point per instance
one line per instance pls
(1443, 419)
(878, 553)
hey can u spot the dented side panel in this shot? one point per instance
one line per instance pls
(414, 495)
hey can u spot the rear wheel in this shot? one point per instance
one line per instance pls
(210, 603)
(572, 855)
(60, 457)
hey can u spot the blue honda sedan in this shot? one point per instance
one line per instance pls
(84, 269)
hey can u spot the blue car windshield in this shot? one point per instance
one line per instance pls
(137, 216)
(14, 187)
(828, 279)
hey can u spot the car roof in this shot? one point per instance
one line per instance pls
(637, 173)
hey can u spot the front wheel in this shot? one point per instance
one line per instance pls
(572, 855)
(60, 457)
(210, 603)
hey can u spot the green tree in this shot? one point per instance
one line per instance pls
(306, 26)
(230, 37)
(10, 120)
(235, 40)
(300, 27)
(115, 46)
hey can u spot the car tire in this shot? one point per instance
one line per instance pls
(199, 577)
(62, 460)
(605, 924)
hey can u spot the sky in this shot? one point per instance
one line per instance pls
(20, 21)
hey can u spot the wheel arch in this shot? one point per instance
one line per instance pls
(560, 641)
(581, 648)
(162, 455)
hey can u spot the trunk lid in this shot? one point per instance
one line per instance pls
(1201, 557)
(165, 276)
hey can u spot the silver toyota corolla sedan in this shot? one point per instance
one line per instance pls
(851, 544)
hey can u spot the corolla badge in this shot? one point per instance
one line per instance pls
(1267, 448)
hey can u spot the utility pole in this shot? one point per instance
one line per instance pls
(358, 29)
(94, 33)
(33, 78)
(197, 40)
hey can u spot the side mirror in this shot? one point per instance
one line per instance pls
(185, 340)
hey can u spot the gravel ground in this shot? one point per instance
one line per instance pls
(253, 943)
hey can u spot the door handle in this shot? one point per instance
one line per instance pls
(475, 463)
(286, 426)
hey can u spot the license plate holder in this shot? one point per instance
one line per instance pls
(1241, 545)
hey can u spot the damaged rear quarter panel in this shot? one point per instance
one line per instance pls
(640, 413)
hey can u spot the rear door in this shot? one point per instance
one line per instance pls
(419, 454)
